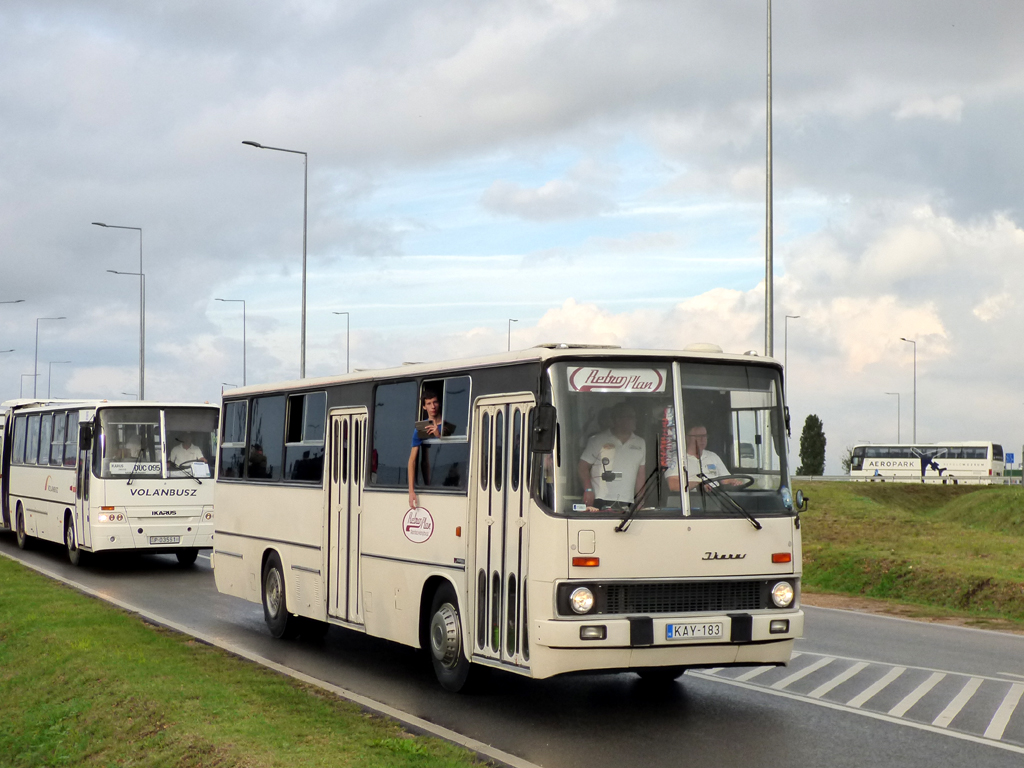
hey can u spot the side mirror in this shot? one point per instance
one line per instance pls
(789, 433)
(85, 434)
(543, 437)
(801, 501)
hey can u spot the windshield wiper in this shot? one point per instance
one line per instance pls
(135, 467)
(637, 501)
(189, 473)
(715, 488)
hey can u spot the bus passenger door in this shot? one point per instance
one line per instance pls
(83, 526)
(499, 616)
(347, 449)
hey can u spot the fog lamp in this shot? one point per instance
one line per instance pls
(778, 626)
(598, 632)
(581, 600)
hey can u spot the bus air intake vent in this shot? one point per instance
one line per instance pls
(684, 597)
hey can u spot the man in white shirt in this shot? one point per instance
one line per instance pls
(699, 461)
(612, 466)
(185, 453)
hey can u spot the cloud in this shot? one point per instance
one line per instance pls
(558, 199)
(948, 108)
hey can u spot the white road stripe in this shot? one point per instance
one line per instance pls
(824, 688)
(713, 670)
(1002, 716)
(862, 698)
(916, 695)
(954, 707)
(785, 682)
(753, 673)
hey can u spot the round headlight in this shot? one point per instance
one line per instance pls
(581, 600)
(782, 594)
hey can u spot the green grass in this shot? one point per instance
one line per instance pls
(84, 684)
(958, 549)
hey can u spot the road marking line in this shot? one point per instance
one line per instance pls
(1011, 674)
(784, 682)
(954, 707)
(1016, 749)
(862, 698)
(824, 688)
(713, 670)
(753, 673)
(372, 705)
(1002, 716)
(916, 695)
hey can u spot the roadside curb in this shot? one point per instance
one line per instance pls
(412, 722)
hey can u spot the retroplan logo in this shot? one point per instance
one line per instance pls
(417, 525)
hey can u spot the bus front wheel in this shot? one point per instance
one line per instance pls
(446, 648)
(660, 675)
(275, 607)
(75, 555)
(187, 556)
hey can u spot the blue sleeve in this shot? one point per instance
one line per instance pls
(416, 442)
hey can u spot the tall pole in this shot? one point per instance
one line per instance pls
(785, 354)
(305, 201)
(769, 283)
(242, 302)
(911, 341)
(897, 414)
(49, 374)
(142, 307)
(347, 337)
(35, 365)
(510, 321)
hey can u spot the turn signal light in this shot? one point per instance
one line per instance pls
(782, 557)
(586, 562)
(106, 508)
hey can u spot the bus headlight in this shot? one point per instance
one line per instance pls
(782, 594)
(581, 600)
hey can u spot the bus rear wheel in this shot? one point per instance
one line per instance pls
(447, 652)
(275, 606)
(75, 555)
(187, 556)
(20, 526)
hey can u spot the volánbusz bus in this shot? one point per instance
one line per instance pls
(506, 560)
(959, 462)
(98, 475)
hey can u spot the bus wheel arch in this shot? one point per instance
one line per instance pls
(446, 641)
(19, 525)
(71, 539)
(274, 593)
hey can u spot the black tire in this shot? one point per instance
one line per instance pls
(187, 556)
(660, 675)
(23, 542)
(275, 605)
(447, 650)
(75, 556)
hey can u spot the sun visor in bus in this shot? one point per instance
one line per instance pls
(543, 433)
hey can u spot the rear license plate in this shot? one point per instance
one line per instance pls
(695, 630)
(164, 539)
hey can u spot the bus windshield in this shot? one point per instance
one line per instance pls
(617, 450)
(131, 442)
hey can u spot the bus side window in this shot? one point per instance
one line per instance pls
(71, 440)
(232, 449)
(20, 433)
(304, 441)
(266, 438)
(57, 440)
(394, 416)
(32, 439)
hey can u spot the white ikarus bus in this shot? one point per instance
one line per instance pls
(949, 462)
(98, 475)
(544, 530)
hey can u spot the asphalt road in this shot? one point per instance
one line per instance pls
(864, 690)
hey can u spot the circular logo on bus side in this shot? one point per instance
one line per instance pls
(417, 525)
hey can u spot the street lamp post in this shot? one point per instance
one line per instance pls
(897, 414)
(49, 373)
(305, 200)
(911, 341)
(769, 282)
(131, 394)
(35, 365)
(21, 389)
(243, 333)
(785, 354)
(13, 301)
(510, 321)
(347, 347)
(142, 307)
(142, 332)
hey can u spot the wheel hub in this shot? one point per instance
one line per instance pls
(273, 593)
(445, 637)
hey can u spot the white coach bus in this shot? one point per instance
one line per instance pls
(98, 475)
(544, 531)
(951, 462)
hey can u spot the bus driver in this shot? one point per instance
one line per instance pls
(612, 467)
(701, 464)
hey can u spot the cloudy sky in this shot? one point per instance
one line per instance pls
(592, 168)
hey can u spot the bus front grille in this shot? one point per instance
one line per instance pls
(684, 597)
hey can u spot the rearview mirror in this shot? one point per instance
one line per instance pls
(85, 434)
(543, 437)
(801, 501)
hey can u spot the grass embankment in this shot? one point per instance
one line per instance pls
(957, 549)
(84, 684)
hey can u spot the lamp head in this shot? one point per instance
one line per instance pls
(253, 144)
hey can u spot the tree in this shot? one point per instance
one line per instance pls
(812, 447)
(848, 460)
